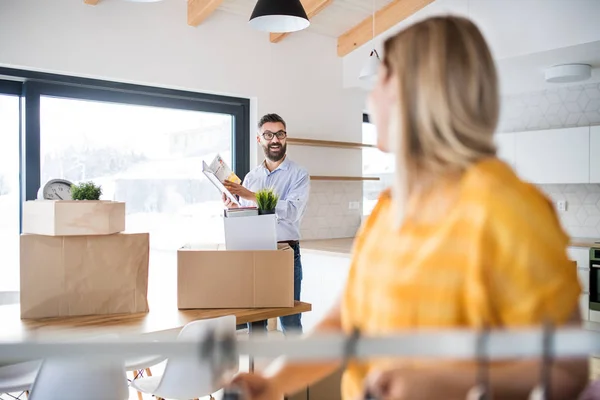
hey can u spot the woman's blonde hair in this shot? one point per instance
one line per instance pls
(448, 100)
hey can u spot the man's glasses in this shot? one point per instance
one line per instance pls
(269, 135)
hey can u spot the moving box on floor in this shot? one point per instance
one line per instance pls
(213, 277)
(84, 275)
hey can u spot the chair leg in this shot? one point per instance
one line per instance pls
(135, 376)
(148, 372)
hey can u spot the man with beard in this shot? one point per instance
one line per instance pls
(291, 183)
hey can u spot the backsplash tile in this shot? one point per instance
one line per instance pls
(582, 217)
(328, 215)
(576, 105)
(568, 106)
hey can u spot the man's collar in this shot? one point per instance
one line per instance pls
(285, 165)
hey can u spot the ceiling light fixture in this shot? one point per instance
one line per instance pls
(279, 16)
(568, 73)
(369, 70)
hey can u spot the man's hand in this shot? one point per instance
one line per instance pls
(255, 387)
(236, 188)
(227, 202)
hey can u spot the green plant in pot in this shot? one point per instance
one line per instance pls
(266, 199)
(86, 191)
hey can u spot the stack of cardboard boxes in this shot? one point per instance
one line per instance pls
(75, 260)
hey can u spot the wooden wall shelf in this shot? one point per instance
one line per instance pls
(342, 178)
(329, 143)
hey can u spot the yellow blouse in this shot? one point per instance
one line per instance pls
(487, 248)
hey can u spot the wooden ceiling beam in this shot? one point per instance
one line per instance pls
(386, 18)
(199, 10)
(312, 8)
(91, 2)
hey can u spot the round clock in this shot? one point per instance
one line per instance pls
(56, 189)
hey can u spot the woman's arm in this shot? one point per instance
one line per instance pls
(279, 379)
(512, 381)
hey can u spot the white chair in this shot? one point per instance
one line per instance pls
(188, 378)
(18, 377)
(137, 365)
(78, 379)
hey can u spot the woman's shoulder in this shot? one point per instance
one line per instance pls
(494, 182)
(510, 204)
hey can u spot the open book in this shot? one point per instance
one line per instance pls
(218, 172)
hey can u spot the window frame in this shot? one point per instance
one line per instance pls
(31, 85)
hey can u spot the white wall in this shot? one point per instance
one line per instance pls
(299, 78)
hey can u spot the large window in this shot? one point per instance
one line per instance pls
(9, 192)
(148, 157)
(143, 145)
(375, 164)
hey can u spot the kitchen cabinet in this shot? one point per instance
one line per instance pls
(584, 306)
(506, 144)
(554, 156)
(581, 255)
(595, 154)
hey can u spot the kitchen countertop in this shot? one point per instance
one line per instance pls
(343, 246)
(585, 242)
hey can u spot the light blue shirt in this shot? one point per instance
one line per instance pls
(292, 183)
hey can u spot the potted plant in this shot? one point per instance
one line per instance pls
(266, 199)
(86, 191)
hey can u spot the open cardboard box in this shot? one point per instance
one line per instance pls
(208, 276)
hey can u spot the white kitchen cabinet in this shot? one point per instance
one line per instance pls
(554, 156)
(595, 154)
(584, 306)
(506, 144)
(581, 255)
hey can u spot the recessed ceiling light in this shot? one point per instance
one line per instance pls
(568, 73)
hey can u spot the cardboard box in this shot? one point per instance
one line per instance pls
(84, 275)
(218, 278)
(255, 232)
(73, 218)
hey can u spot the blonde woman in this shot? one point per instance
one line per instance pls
(459, 241)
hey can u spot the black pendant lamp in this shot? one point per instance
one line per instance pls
(279, 16)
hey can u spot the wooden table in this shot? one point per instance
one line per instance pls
(163, 316)
(160, 319)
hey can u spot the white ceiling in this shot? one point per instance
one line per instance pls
(333, 21)
(525, 36)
